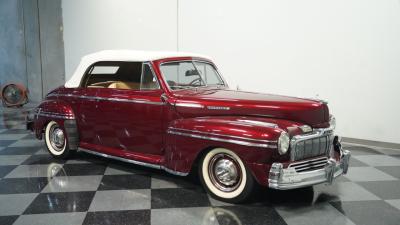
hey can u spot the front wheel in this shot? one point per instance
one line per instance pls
(225, 177)
(56, 140)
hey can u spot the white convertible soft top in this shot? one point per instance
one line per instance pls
(121, 55)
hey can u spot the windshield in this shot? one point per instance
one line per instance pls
(189, 74)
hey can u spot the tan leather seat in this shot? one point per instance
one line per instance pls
(125, 85)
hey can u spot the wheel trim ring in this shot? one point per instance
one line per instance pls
(216, 181)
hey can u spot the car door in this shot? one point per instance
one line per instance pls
(132, 113)
(84, 102)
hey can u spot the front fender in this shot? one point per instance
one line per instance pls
(253, 139)
(62, 113)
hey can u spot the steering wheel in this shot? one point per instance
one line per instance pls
(197, 80)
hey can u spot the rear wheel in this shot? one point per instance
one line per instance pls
(225, 176)
(56, 140)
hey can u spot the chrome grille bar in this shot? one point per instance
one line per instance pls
(307, 148)
(313, 164)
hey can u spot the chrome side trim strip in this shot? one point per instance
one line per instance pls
(222, 135)
(154, 166)
(258, 123)
(189, 105)
(150, 165)
(174, 171)
(141, 101)
(55, 115)
(245, 143)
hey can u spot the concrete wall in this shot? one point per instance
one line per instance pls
(31, 45)
(12, 43)
(344, 51)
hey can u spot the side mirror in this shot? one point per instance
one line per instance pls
(189, 73)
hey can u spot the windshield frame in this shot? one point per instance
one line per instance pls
(193, 61)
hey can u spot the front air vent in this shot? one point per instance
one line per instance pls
(309, 165)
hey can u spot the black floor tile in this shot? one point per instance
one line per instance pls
(19, 150)
(362, 150)
(131, 168)
(22, 185)
(60, 202)
(4, 170)
(15, 131)
(383, 189)
(89, 158)
(30, 136)
(5, 143)
(42, 159)
(356, 163)
(369, 212)
(82, 169)
(133, 217)
(8, 220)
(391, 170)
(178, 198)
(248, 215)
(124, 182)
(301, 196)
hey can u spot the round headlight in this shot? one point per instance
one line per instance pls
(332, 122)
(283, 143)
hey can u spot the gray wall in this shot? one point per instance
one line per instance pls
(31, 45)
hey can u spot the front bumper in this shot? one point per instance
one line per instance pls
(287, 178)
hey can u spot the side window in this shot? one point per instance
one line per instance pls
(120, 75)
(148, 80)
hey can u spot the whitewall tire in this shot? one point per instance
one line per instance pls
(56, 140)
(225, 176)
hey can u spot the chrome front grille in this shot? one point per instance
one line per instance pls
(312, 147)
(313, 164)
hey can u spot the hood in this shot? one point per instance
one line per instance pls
(206, 102)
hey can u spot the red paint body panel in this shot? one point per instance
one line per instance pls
(313, 113)
(152, 159)
(135, 124)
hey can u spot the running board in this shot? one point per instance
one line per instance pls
(150, 165)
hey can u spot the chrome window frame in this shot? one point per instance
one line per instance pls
(193, 60)
(90, 68)
(154, 75)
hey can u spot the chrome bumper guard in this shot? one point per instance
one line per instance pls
(288, 178)
(29, 120)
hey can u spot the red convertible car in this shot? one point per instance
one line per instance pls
(175, 112)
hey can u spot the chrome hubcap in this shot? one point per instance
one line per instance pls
(57, 138)
(224, 172)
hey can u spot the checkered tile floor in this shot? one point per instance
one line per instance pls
(37, 189)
